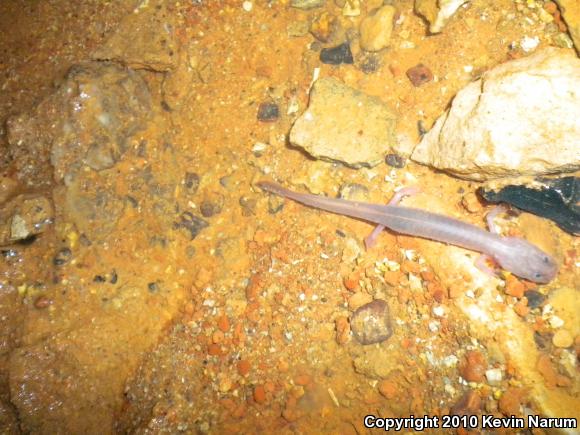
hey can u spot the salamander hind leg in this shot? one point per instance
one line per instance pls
(371, 239)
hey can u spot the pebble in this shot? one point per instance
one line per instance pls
(342, 330)
(359, 299)
(395, 161)
(212, 205)
(191, 223)
(247, 6)
(248, 205)
(191, 181)
(514, 287)
(494, 376)
(419, 75)
(259, 394)
(473, 369)
(297, 29)
(323, 27)
(351, 8)
(388, 389)
(469, 404)
(42, 302)
(471, 203)
(562, 339)
(337, 55)
(244, 367)
(535, 298)
(307, 4)
(63, 256)
(371, 323)
(268, 112)
(376, 29)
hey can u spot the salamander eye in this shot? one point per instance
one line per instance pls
(537, 275)
(546, 260)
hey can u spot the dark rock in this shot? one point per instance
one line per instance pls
(371, 323)
(63, 256)
(191, 223)
(337, 55)
(535, 298)
(557, 200)
(395, 161)
(191, 181)
(268, 112)
(419, 75)
(212, 205)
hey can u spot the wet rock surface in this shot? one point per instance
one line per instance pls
(87, 121)
(337, 55)
(376, 29)
(555, 199)
(496, 128)
(25, 216)
(371, 323)
(345, 125)
(152, 46)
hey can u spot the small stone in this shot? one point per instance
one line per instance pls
(514, 287)
(395, 161)
(323, 27)
(212, 205)
(247, 6)
(259, 394)
(376, 29)
(42, 302)
(388, 389)
(191, 182)
(359, 299)
(337, 55)
(268, 112)
(191, 223)
(419, 75)
(562, 339)
(307, 4)
(63, 256)
(535, 298)
(244, 367)
(469, 404)
(371, 323)
(223, 323)
(494, 376)
(473, 367)
(342, 330)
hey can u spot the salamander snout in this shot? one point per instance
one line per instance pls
(527, 261)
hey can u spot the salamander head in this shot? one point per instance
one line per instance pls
(526, 261)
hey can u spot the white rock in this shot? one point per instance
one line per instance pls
(520, 118)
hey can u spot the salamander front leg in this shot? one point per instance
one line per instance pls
(371, 239)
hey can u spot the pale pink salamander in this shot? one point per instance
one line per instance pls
(513, 254)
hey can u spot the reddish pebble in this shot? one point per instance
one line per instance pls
(214, 349)
(244, 367)
(42, 302)
(351, 282)
(469, 404)
(419, 75)
(388, 389)
(473, 369)
(223, 323)
(303, 380)
(514, 287)
(259, 394)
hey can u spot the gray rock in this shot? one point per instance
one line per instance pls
(371, 323)
(25, 216)
(87, 121)
(343, 124)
